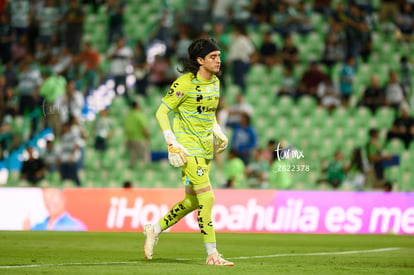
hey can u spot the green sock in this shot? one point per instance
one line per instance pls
(205, 208)
(178, 211)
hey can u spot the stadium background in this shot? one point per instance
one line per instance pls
(303, 124)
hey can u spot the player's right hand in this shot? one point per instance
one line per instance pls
(177, 154)
(221, 138)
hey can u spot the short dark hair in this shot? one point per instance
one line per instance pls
(135, 104)
(373, 132)
(127, 184)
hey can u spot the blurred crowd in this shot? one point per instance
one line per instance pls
(49, 68)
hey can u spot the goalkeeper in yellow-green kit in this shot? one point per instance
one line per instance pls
(193, 99)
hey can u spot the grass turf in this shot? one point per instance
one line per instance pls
(177, 253)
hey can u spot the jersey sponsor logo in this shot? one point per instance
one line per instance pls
(179, 94)
(171, 90)
(199, 98)
(204, 109)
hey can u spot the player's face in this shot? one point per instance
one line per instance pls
(211, 62)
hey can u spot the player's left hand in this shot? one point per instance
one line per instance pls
(177, 154)
(220, 137)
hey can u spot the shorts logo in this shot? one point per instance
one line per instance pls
(179, 94)
(200, 171)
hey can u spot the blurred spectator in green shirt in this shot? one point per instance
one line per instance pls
(234, 171)
(52, 88)
(279, 176)
(334, 170)
(257, 171)
(137, 135)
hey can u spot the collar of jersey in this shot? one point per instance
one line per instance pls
(199, 79)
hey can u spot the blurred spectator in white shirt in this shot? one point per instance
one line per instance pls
(69, 155)
(240, 51)
(237, 110)
(395, 93)
(70, 103)
(120, 57)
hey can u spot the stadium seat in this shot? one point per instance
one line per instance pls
(393, 174)
(360, 136)
(395, 146)
(315, 44)
(340, 134)
(363, 116)
(102, 9)
(260, 124)
(319, 116)
(374, 123)
(406, 182)
(295, 115)
(385, 117)
(317, 135)
(256, 38)
(276, 75)
(13, 178)
(317, 20)
(231, 93)
(294, 136)
(348, 146)
(307, 104)
(257, 74)
(340, 116)
(53, 178)
(406, 160)
(387, 51)
(281, 126)
(365, 72)
(307, 123)
(299, 69)
(285, 105)
(92, 159)
(330, 146)
(259, 98)
(351, 124)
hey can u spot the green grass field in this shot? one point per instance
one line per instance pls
(177, 253)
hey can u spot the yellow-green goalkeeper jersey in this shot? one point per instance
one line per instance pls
(194, 102)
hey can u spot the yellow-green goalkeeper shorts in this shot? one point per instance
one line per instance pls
(196, 172)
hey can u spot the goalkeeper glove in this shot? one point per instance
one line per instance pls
(176, 152)
(220, 137)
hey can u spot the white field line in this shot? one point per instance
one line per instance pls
(244, 257)
(319, 253)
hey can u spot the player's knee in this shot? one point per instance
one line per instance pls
(190, 202)
(210, 195)
(206, 197)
